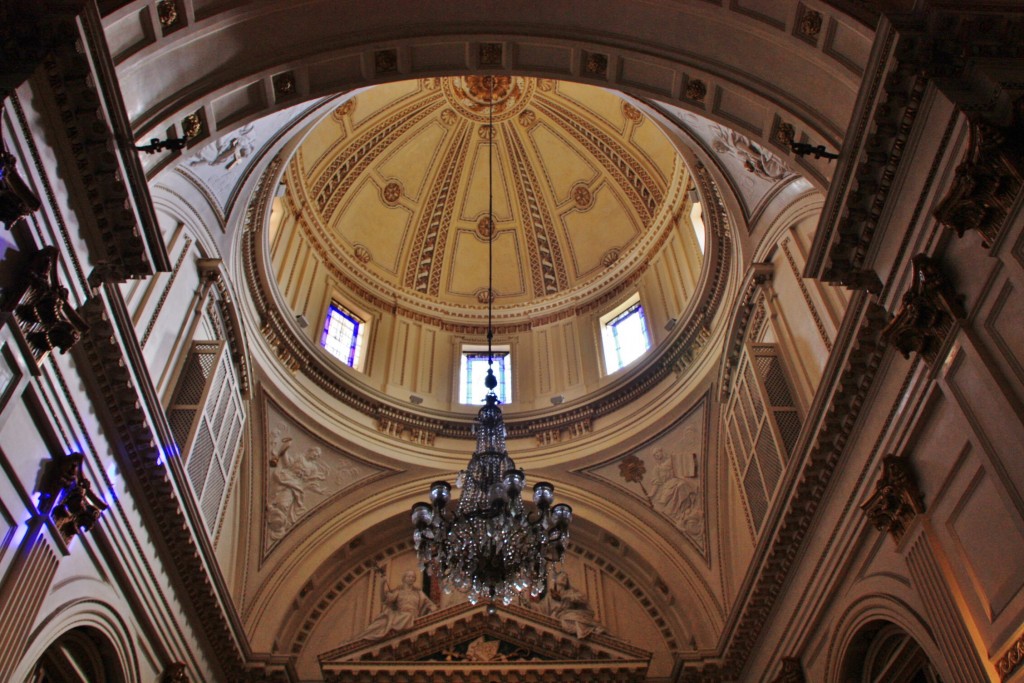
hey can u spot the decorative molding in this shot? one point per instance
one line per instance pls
(987, 183)
(927, 313)
(818, 323)
(166, 292)
(897, 499)
(1011, 660)
(39, 305)
(212, 273)
(758, 276)
(66, 495)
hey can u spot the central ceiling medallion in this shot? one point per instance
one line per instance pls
(470, 95)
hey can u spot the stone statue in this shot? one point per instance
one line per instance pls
(572, 608)
(402, 606)
(227, 152)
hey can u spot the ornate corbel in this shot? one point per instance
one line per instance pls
(927, 312)
(792, 671)
(986, 184)
(39, 304)
(66, 496)
(896, 500)
(17, 200)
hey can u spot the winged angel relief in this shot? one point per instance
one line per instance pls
(297, 474)
(671, 487)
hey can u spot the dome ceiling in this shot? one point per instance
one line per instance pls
(393, 185)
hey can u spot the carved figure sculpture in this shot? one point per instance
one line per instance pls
(402, 606)
(755, 159)
(572, 608)
(676, 497)
(227, 152)
(291, 477)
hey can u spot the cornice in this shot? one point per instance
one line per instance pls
(133, 421)
(121, 225)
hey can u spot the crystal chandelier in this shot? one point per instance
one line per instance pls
(492, 545)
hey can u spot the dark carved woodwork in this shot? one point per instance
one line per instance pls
(67, 496)
(987, 182)
(39, 305)
(896, 500)
(17, 201)
(28, 31)
(792, 671)
(175, 672)
(927, 312)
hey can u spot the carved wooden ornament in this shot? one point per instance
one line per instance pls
(927, 312)
(896, 500)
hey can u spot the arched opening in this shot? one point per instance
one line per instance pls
(882, 652)
(81, 655)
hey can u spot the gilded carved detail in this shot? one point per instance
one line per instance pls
(986, 183)
(66, 495)
(927, 311)
(1011, 660)
(896, 500)
(39, 304)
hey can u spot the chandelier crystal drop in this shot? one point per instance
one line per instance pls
(492, 546)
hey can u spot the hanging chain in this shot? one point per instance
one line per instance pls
(490, 219)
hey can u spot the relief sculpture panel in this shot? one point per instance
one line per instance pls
(302, 472)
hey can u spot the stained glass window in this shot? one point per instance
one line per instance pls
(343, 335)
(474, 371)
(624, 335)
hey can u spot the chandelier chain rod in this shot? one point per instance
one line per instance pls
(490, 219)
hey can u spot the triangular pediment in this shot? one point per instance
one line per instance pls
(466, 641)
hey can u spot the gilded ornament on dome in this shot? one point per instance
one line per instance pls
(490, 54)
(345, 109)
(597, 64)
(484, 295)
(363, 254)
(783, 134)
(810, 24)
(632, 113)
(582, 196)
(168, 13)
(545, 84)
(431, 83)
(696, 90)
(610, 257)
(486, 132)
(471, 95)
(385, 61)
(528, 118)
(448, 117)
(484, 226)
(192, 126)
(391, 193)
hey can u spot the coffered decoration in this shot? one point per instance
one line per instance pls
(397, 193)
